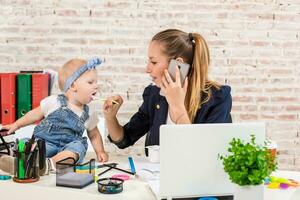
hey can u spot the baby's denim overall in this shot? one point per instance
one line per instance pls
(63, 129)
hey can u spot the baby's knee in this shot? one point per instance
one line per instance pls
(71, 154)
(78, 150)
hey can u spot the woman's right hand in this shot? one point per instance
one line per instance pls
(110, 108)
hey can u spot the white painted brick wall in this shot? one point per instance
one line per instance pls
(255, 48)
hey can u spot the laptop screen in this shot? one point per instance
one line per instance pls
(189, 157)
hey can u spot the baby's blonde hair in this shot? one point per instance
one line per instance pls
(67, 70)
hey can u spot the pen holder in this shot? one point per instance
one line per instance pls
(110, 185)
(26, 166)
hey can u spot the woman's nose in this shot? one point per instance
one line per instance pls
(148, 69)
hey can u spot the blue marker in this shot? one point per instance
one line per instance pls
(132, 168)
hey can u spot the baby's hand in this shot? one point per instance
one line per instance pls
(102, 156)
(11, 128)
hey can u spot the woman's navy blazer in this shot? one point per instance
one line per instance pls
(154, 109)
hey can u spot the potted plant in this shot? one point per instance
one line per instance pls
(247, 165)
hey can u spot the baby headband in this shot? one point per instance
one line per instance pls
(91, 64)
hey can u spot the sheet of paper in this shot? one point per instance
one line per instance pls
(142, 163)
(154, 187)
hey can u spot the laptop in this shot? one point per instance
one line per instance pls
(189, 164)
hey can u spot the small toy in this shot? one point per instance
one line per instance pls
(280, 183)
(124, 177)
(4, 177)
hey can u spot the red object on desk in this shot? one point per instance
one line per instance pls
(8, 98)
(40, 88)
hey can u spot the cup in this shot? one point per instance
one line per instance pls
(153, 153)
(272, 147)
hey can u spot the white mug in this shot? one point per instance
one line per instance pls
(153, 153)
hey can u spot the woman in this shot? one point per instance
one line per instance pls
(199, 100)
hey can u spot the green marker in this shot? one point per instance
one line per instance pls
(21, 167)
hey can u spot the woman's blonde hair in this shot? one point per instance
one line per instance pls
(193, 49)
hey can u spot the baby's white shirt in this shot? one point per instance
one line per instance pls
(51, 103)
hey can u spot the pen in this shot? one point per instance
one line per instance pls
(27, 147)
(31, 140)
(85, 167)
(113, 101)
(21, 167)
(107, 165)
(113, 167)
(132, 168)
(30, 159)
(16, 147)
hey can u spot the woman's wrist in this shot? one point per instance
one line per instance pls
(178, 111)
(115, 130)
(110, 119)
(179, 115)
(183, 119)
(177, 120)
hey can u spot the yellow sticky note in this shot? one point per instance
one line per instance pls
(274, 185)
(283, 180)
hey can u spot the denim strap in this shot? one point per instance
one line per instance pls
(62, 100)
(64, 103)
(91, 64)
(85, 114)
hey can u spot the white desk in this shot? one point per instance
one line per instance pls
(45, 189)
(288, 194)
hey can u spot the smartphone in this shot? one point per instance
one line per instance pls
(183, 69)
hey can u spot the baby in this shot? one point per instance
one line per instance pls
(66, 117)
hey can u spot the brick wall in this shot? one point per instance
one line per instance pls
(255, 48)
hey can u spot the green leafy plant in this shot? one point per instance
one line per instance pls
(248, 163)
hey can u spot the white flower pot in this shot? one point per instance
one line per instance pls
(250, 192)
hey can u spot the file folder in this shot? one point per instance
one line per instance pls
(8, 98)
(51, 75)
(23, 94)
(40, 88)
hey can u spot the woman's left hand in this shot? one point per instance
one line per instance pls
(175, 93)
